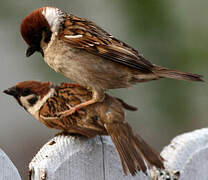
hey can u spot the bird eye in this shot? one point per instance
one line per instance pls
(26, 92)
(33, 100)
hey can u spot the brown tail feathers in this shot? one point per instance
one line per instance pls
(134, 153)
(127, 106)
(169, 73)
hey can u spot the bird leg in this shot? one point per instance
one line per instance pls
(96, 97)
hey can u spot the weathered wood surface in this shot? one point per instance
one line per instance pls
(75, 158)
(189, 154)
(78, 159)
(7, 169)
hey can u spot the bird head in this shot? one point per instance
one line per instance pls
(37, 28)
(31, 94)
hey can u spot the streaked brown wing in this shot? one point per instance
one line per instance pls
(84, 122)
(86, 35)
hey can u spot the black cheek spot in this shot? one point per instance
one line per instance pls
(48, 34)
(33, 100)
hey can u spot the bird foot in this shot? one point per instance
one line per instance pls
(163, 174)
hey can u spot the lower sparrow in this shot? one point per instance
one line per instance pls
(44, 100)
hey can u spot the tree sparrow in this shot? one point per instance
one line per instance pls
(43, 100)
(89, 55)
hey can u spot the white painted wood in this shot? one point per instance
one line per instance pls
(7, 170)
(189, 154)
(77, 158)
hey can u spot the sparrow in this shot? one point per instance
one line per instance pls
(43, 100)
(88, 55)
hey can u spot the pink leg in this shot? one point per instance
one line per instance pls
(97, 97)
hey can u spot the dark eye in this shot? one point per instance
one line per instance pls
(33, 100)
(26, 92)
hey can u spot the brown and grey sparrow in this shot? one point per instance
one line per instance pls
(43, 100)
(88, 55)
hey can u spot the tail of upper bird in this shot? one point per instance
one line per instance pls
(135, 154)
(163, 72)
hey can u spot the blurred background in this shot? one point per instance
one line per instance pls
(169, 33)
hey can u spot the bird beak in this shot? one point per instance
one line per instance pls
(11, 91)
(30, 51)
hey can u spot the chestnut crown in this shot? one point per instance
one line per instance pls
(27, 93)
(45, 19)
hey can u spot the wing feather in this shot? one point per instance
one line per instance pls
(84, 34)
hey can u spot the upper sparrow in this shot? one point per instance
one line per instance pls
(88, 55)
(44, 100)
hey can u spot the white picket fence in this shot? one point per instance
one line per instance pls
(73, 158)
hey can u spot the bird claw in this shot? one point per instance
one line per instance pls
(163, 174)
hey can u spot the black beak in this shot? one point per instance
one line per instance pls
(11, 91)
(31, 50)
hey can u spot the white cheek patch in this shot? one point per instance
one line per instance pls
(34, 110)
(53, 17)
(24, 100)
